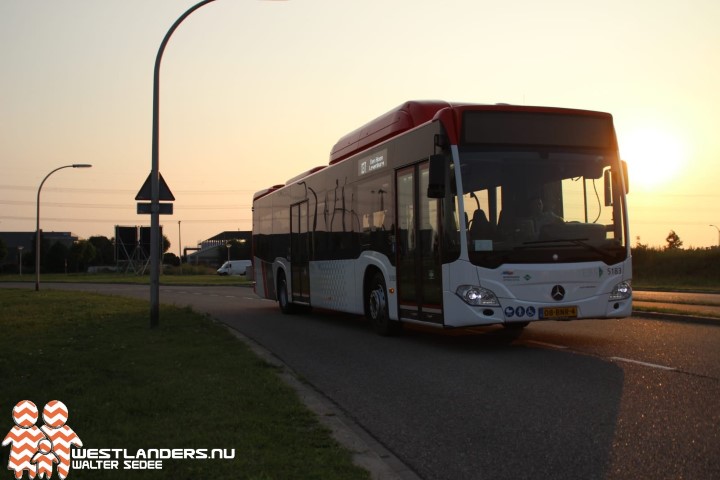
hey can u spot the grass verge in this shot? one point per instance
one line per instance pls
(676, 311)
(670, 285)
(174, 279)
(187, 384)
(210, 279)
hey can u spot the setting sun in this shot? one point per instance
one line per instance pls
(654, 156)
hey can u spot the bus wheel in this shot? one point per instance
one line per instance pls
(377, 307)
(286, 305)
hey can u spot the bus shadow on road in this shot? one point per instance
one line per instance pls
(510, 409)
(489, 336)
(481, 400)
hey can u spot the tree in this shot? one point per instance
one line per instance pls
(44, 249)
(639, 245)
(81, 254)
(673, 241)
(104, 250)
(3, 250)
(55, 259)
(171, 259)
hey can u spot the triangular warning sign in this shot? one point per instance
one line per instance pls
(145, 192)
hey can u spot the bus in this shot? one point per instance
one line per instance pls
(454, 215)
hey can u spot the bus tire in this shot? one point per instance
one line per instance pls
(376, 306)
(286, 306)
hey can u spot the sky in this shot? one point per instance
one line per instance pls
(253, 93)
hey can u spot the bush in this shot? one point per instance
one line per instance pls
(671, 267)
(55, 260)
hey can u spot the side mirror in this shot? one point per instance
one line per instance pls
(625, 176)
(437, 175)
(607, 184)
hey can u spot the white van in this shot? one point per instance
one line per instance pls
(235, 267)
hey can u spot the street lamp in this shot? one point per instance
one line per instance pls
(718, 229)
(179, 242)
(155, 174)
(37, 223)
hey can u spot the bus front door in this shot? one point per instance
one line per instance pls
(418, 253)
(300, 252)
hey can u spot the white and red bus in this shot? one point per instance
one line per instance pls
(454, 215)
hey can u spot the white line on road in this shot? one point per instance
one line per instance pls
(645, 364)
(544, 344)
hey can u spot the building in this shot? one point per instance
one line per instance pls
(228, 245)
(17, 242)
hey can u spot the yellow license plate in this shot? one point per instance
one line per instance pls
(558, 313)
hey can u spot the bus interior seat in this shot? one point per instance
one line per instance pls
(480, 227)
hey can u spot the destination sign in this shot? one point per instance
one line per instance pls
(372, 163)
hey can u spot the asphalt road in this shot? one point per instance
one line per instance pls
(614, 399)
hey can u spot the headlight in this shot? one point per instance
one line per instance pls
(622, 291)
(474, 295)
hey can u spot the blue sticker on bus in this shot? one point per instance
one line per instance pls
(530, 311)
(509, 312)
(520, 311)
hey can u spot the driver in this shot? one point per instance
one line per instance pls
(539, 216)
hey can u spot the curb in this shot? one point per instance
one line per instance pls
(677, 317)
(366, 451)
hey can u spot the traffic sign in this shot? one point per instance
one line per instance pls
(145, 192)
(146, 208)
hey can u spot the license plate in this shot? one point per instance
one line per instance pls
(558, 313)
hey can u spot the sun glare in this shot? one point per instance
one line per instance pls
(654, 157)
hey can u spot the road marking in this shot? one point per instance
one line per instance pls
(544, 344)
(644, 364)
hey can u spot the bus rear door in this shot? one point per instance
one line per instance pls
(300, 252)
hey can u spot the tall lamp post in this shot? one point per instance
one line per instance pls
(718, 229)
(37, 223)
(155, 175)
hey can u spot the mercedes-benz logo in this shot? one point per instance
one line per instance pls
(557, 292)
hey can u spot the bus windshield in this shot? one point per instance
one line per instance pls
(550, 205)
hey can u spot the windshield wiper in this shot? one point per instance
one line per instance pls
(582, 242)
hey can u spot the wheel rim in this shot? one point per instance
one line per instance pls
(283, 294)
(377, 303)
